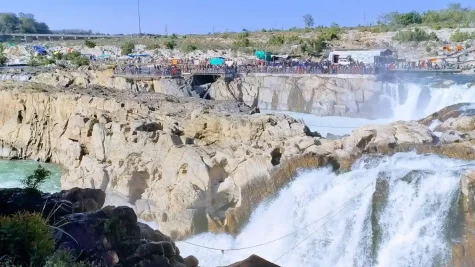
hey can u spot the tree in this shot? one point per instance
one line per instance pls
(34, 180)
(308, 20)
(9, 22)
(3, 58)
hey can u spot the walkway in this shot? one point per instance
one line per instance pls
(163, 72)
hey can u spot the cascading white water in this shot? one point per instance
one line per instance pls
(408, 227)
(437, 98)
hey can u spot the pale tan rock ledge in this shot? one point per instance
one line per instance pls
(183, 163)
(189, 165)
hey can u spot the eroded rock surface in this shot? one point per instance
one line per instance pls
(340, 95)
(182, 163)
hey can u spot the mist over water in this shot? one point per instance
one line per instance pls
(402, 101)
(405, 223)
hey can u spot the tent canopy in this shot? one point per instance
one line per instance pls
(263, 55)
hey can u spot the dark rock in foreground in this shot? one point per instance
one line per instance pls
(110, 236)
(254, 261)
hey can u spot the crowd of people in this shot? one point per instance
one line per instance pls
(416, 65)
(286, 67)
(155, 70)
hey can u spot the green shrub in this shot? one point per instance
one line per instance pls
(127, 48)
(313, 46)
(72, 55)
(459, 36)
(80, 61)
(3, 58)
(153, 46)
(276, 40)
(41, 61)
(26, 239)
(170, 44)
(62, 258)
(90, 43)
(243, 35)
(187, 47)
(416, 35)
(58, 56)
(34, 180)
(332, 33)
(241, 43)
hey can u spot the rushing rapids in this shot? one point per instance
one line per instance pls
(411, 101)
(404, 218)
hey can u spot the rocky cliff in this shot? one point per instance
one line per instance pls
(185, 163)
(340, 95)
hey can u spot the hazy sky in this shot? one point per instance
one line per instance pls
(200, 16)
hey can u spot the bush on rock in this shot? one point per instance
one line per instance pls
(25, 239)
(34, 180)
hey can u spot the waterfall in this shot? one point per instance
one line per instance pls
(400, 219)
(412, 101)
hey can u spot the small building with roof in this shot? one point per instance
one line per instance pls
(367, 56)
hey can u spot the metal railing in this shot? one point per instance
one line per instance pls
(317, 69)
(153, 71)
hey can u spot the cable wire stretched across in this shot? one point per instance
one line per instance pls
(342, 208)
(277, 239)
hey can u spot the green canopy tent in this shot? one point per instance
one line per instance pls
(263, 55)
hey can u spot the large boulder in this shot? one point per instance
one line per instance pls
(84, 199)
(253, 261)
(13, 200)
(52, 206)
(112, 237)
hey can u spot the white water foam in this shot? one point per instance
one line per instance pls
(330, 124)
(439, 98)
(412, 223)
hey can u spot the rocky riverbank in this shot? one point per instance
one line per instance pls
(184, 163)
(193, 165)
(340, 95)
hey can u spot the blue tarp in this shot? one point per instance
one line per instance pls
(138, 55)
(40, 50)
(216, 61)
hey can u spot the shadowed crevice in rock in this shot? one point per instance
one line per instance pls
(137, 185)
(150, 127)
(276, 154)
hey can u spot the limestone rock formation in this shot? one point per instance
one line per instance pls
(86, 76)
(180, 163)
(342, 95)
(345, 95)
